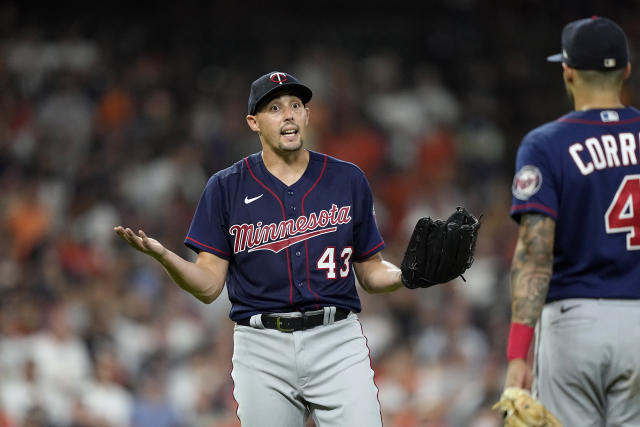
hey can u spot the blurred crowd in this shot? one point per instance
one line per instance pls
(104, 124)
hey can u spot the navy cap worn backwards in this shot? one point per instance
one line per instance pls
(595, 43)
(273, 82)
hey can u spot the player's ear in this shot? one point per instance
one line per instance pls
(627, 72)
(253, 123)
(308, 114)
(568, 73)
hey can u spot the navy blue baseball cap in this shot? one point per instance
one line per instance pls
(273, 82)
(594, 43)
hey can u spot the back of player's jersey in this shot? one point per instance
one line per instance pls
(583, 170)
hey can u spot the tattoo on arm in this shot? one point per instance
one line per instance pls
(531, 268)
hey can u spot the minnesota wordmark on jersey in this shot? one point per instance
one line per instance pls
(276, 237)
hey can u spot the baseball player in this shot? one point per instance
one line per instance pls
(286, 229)
(575, 275)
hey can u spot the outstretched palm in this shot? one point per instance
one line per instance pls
(140, 241)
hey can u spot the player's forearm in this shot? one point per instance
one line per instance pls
(531, 268)
(378, 276)
(202, 282)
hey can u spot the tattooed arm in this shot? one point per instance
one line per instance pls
(530, 274)
(531, 268)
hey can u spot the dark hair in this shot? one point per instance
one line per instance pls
(609, 79)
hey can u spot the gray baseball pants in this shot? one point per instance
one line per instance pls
(280, 378)
(587, 363)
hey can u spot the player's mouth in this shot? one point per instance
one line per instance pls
(289, 132)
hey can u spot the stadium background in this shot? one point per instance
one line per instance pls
(117, 114)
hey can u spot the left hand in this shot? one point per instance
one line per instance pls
(439, 251)
(520, 409)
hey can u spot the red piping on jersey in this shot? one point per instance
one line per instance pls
(207, 246)
(233, 394)
(284, 218)
(366, 342)
(372, 249)
(535, 206)
(306, 244)
(595, 122)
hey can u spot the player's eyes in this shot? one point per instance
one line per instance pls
(294, 106)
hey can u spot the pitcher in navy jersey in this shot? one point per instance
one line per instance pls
(575, 274)
(287, 230)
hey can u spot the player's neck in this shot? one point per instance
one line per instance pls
(590, 100)
(287, 167)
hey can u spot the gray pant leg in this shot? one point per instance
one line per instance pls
(265, 379)
(567, 373)
(340, 388)
(588, 362)
(623, 376)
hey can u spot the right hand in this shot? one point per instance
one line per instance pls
(141, 242)
(518, 374)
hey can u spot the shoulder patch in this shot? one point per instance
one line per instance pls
(527, 182)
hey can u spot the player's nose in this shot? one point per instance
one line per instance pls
(288, 113)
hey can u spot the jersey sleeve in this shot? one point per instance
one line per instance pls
(367, 238)
(534, 188)
(207, 231)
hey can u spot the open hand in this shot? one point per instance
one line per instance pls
(141, 241)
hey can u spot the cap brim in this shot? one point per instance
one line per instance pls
(300, 90)
(555, 58)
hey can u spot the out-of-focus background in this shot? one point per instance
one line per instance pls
(118, 113)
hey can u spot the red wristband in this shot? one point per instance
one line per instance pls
(520, 337)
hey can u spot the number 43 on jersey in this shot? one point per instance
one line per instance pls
(327, 262)
(623, 215)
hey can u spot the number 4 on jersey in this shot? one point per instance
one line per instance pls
(623, 215)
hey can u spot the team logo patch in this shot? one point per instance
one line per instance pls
(527, 182)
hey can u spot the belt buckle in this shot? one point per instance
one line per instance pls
(280, 328)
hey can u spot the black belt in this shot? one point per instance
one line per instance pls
(288, 323)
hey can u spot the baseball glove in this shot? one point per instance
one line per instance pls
(439, 251)
(520, 409)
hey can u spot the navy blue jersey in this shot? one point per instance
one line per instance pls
(290, 248)
(582, 170)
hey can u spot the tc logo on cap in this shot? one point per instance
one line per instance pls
(278, 77)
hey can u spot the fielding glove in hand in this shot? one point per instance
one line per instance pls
(520, 409)
(439, 251)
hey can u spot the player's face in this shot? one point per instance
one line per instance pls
(281, 123)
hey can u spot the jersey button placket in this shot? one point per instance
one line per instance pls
(290, 200)
(298, 253)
